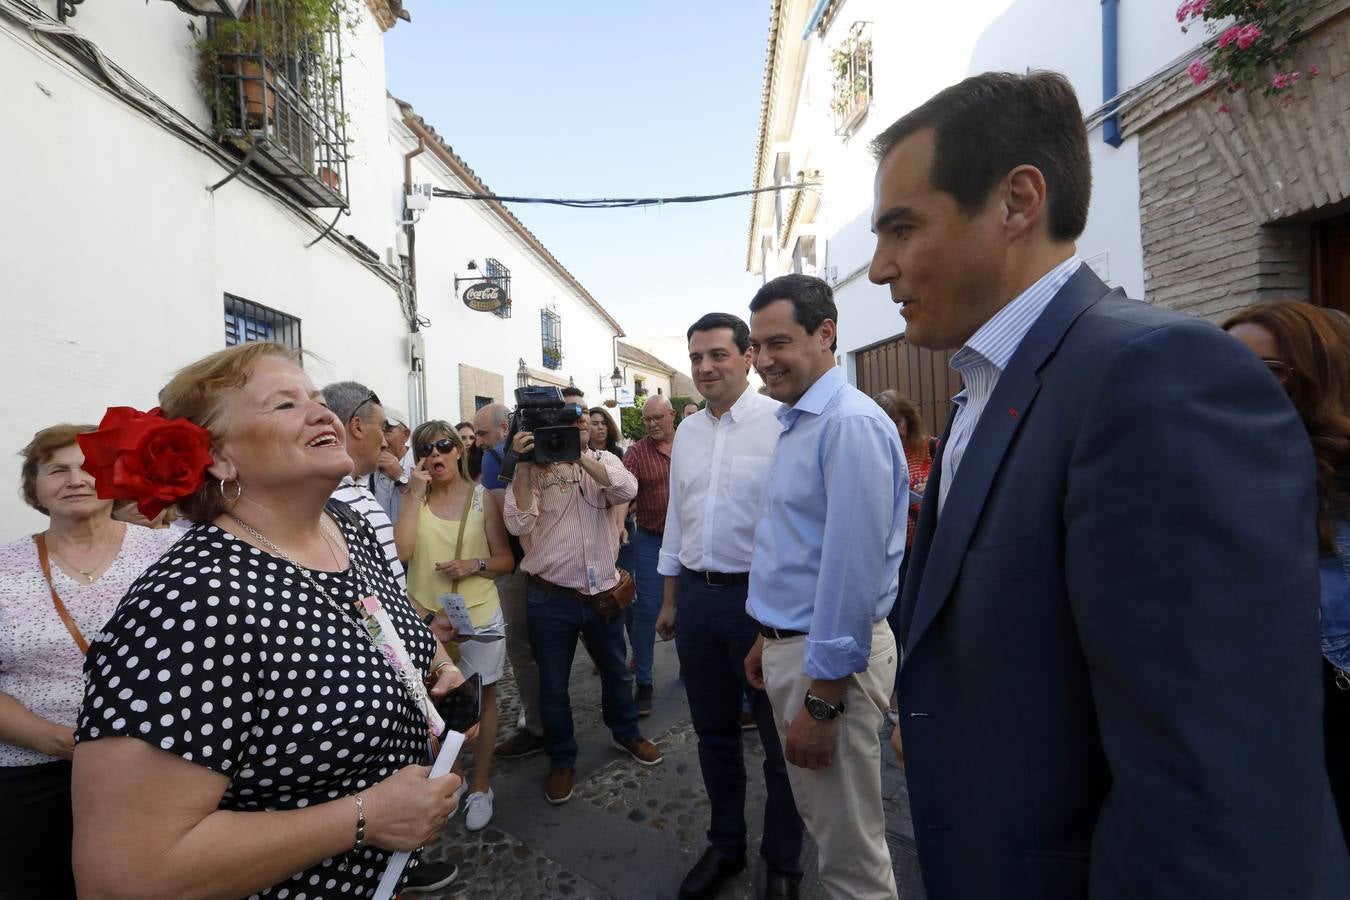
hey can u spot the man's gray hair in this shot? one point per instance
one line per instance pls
(344, 398)
(500, 414)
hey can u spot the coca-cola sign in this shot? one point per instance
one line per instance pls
(484, 296)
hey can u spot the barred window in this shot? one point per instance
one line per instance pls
(248, 321)
(550, 338)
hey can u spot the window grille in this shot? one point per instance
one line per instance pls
(550, 338)
(851, 66)
(248, 321)
(499, 275)
(274, 85)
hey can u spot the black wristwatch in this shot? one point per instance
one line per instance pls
(821, 709)
(402, 481)
(482, 565)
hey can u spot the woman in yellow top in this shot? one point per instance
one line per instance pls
(454, 542)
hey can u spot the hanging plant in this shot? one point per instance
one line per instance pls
(1253, 52)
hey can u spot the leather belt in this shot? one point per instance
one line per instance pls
(719, 579)
(780, 634)
(545, 585)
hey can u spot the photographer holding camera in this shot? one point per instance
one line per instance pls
(559, 505)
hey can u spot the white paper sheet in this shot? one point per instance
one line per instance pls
(393, 870)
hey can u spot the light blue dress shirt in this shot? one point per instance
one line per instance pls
(831, 530)
(982, 359)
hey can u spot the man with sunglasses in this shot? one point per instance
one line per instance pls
(364, 419)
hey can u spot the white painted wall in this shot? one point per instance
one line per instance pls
(449, 234)
(114, 258)
(917, 50)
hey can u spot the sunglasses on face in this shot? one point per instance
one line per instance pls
(444, 445)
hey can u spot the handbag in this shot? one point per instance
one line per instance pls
(610, 604)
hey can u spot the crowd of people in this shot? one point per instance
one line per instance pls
(1106, 607)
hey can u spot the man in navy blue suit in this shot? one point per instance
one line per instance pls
(1109, 684)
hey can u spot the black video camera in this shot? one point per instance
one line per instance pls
(541, 411)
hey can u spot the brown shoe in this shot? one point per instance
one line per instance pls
(643, 751)
(558, 786)
(519, 745)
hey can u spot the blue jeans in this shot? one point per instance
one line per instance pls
(555, 622)
(713, 634)
(640, 617)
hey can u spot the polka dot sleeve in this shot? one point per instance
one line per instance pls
(177, 666)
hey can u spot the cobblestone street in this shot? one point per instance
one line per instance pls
(629, 831)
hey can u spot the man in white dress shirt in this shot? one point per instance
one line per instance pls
(718, 467)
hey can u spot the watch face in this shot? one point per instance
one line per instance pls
(820, 709)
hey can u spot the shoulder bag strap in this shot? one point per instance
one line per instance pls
(463, 520)
(61, 611)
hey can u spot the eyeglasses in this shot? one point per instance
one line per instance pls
(444, 445)
(372, 398)
(390, 427)
(1278, 367)
(653, 419)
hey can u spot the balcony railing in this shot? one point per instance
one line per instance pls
(852, 70)
(273, 80)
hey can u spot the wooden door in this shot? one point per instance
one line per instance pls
(923, 376)
(1331, 263)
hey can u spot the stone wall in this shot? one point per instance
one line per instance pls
(1226, 198)
(474, 382)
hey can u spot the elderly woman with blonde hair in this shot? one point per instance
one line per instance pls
(256, 721)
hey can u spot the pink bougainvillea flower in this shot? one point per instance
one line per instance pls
(1225, 108)
(1229, 35)
(1198, 71)
(1247, 36)
(1313, 71)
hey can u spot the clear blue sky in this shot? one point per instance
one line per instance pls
(605, 98)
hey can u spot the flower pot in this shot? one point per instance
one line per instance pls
(257, 82)
(331, 179)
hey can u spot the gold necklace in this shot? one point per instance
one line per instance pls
(88, 576)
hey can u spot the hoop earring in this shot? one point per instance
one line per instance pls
(239, 491)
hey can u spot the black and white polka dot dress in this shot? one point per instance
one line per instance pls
(221, 654)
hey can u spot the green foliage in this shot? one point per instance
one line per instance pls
(282, 31)
(680, 403)
(630, 421)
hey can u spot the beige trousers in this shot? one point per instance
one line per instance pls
(511, 591)
(841, 804)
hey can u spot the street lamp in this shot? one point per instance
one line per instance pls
(617, 380)
(522, 375)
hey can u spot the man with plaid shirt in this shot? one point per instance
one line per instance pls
(649, 461)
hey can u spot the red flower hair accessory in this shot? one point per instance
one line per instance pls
(146, 457)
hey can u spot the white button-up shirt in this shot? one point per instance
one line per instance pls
(718, 469)
(982, 359)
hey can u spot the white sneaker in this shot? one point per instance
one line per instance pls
(478, 811)
(459, 799)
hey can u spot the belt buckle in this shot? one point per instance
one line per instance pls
(708, 579)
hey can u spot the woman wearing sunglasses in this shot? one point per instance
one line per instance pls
(455, 543)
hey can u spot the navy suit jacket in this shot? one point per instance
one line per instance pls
(1111, 685)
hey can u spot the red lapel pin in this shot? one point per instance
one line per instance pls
(1012, 412)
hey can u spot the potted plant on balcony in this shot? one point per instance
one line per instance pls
(271, 37)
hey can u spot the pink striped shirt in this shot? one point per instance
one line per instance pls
(568, 531)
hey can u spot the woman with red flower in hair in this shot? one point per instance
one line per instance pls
(57, 588)
(256, 718)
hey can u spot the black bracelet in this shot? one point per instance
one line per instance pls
(360, 823)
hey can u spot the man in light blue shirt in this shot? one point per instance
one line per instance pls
(824, 575)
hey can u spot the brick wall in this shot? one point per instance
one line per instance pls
(1225, 199)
